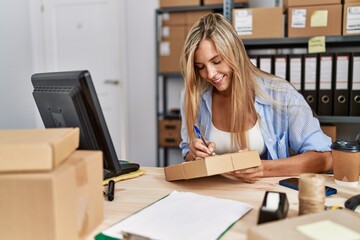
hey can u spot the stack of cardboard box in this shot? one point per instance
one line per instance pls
(351, 17)
(173, 30)
(48, 189)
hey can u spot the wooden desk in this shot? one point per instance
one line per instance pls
(135, 194)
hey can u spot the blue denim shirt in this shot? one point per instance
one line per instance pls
(290, 125)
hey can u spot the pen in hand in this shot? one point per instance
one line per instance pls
(198, 133)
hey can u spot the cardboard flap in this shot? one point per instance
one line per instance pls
(36, 149)
(195, 169)
(219, 163)
(245, 160)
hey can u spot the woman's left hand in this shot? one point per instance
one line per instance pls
(249, 175)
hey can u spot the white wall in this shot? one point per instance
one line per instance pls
(17, 107)
(141, 84)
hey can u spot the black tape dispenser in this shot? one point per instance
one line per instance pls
(275, 206)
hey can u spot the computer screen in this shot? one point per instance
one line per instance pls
(69, 99)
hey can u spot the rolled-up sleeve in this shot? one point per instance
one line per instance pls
(184, 145)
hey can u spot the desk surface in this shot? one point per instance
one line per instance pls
(134, 194)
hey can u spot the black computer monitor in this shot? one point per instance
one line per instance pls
(69, 99)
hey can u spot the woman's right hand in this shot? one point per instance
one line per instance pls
(199, 150)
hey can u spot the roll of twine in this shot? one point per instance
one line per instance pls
(311, 193)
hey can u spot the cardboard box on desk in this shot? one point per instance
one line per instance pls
(212, 165)
(326, 223)
(36, 149)
(66, 203)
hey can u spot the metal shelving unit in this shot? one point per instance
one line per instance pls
(333, 43)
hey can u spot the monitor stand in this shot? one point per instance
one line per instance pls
(125, 167)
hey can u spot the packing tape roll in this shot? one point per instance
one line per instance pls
(311, 193)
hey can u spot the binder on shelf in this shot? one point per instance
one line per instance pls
(254, 60)
(325, 94)
(265, 63)
(310, 80)
(295, 71)
(341, 88)
(281, 66)
(355, 85)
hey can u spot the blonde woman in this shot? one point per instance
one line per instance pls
(238, 107)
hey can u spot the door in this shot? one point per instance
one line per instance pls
(86, 34)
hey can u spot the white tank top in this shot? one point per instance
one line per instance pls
(223, 139)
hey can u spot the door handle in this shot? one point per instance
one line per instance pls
(112, 81)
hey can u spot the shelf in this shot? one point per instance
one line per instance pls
(169, 116)
(198, 8)
(171, 75)
(339, 119)
(331, 41)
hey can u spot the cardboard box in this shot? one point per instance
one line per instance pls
(178, 3)
(254, 22)
(351, 18)
(174, 29)
(314, 21)
(170, 49)
(192, 17)
(173, 18)
(221, 2)
(36, 149)
(327, 223)
(169, 133)
(329, 130)
(182, 18)
(66, 203)
(298, 3)
(212, 165)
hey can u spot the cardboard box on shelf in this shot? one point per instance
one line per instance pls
(178, 3)
(351, 18)
(36, 149)
(170, 49)
(174, 29)
(298, 3)
(192, 17)
(314, 21)
(212, 165)
(169, 133)
(182, 18)
(327, 223)
(66, 203)
(254, 22)
(329, 130)
(220, 2)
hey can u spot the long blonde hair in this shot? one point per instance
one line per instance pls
(216, 28)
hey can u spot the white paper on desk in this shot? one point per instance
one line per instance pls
(182, 215)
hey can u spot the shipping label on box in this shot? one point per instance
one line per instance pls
(351, 19)
(212, 165)
(243, 22)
